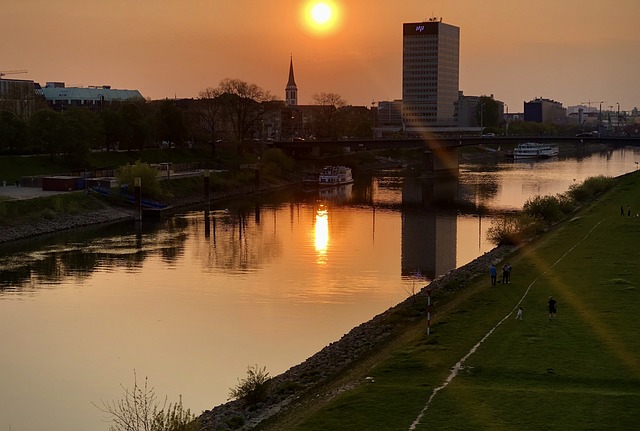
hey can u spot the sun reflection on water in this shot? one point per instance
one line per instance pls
(322, 234)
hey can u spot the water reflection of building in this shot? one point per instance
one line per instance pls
(336, 194)
(429, 229)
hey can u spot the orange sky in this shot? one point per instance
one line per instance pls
(571, 51)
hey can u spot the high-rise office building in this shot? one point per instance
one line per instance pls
(430, 74)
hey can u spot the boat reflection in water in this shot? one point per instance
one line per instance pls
(336, 194)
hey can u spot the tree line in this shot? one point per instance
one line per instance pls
(235, 112)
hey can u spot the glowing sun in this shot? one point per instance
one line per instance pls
(321, 16)
(321, 13)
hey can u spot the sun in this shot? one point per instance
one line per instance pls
(321, 17)
(321, 13)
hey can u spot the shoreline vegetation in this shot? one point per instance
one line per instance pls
(382, 371)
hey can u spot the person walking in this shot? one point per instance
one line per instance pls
(628, 211)
(506, 273)
(552, 307)
(493, 272)
(519, 314)
(621, 211)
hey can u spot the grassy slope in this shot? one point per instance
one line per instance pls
(14, 212)
(581, 371)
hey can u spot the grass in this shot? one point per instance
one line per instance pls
(578, 372)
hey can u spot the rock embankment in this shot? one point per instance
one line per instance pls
(63, 222)
(112, 214)
(287, 389)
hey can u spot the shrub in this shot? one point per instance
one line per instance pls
(590, 188)
(148, 177)
(547, 208)
(513, 229)
(253, 388)
(139, 410)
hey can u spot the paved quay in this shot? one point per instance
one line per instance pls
(19, 193)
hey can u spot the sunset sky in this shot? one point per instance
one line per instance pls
(571, 51)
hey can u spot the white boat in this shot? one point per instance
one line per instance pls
(335, 176)
(534, 150)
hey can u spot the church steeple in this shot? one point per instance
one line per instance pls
(291, 90)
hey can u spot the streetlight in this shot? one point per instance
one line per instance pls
(506, 121)
(481, 117)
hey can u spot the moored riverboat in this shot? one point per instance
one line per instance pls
(534, 150)
(335, 176)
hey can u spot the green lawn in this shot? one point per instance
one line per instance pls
(578, 372)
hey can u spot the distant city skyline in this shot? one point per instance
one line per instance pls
(575, 52)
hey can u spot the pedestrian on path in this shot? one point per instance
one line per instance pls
(552, 307)
(494, 274)
(506, 273)
(621, 210)
(519, 315)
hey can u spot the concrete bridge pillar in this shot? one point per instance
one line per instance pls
(441, 162)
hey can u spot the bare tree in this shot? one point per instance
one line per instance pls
(329, 99)
(211, 113)
(244, 106)
(326, 122)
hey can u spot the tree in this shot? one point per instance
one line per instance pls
(84, 131)
(211, 112)
(137, 132)
(170, 124)
(329, 99)
(326, 118)
(13, 132)
(244, 105)
(115, 126)
(487, 112)
(46, 131)
(354, 121)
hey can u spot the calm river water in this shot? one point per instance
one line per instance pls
(194, 300)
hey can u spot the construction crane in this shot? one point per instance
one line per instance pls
(11, 72)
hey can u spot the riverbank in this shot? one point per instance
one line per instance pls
(323, 374)
(104, 211)
(480, 366)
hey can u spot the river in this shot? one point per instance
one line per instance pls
(192, 301)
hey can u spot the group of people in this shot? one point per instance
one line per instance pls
(506, 274)
(622, 211)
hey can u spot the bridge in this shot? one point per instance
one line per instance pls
(440, 153)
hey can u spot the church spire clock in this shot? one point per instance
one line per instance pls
(291, 90)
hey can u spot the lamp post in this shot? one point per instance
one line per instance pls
(481, 117)
(428, 310)
(506, 121)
